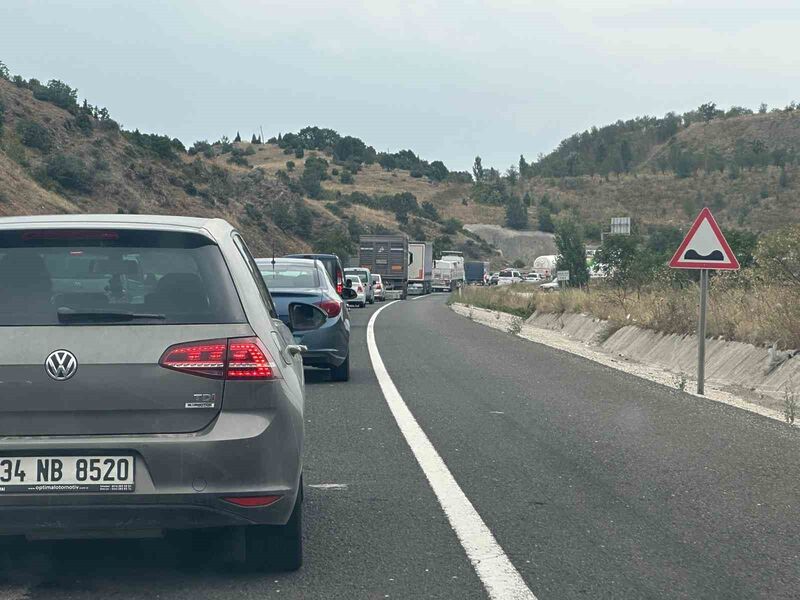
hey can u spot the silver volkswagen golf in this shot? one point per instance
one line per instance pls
(147, 385)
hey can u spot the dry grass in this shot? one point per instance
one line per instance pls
(755, 314)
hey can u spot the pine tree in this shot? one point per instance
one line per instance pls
(516, 213)
(254, 139)
(572, 252)
(238, 138)
(477, 169)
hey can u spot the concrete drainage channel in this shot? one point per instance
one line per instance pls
(738, 374)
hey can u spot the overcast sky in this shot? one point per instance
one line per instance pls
(446, 79)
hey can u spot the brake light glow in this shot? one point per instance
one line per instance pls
(248, 359)
(360, 290)
(206, 359)
(378, 286)
(252, 501)
(339, 283)
(331, 307)
(234, 358)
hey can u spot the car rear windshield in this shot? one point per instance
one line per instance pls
(360, 273)
(506, 274)
(289, 276)
(113, 277)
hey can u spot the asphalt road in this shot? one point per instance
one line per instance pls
(594, 483)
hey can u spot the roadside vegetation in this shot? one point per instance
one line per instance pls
(758, 305)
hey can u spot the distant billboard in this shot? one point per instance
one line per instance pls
(620, 226)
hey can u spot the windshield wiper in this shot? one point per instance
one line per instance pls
(69, 315)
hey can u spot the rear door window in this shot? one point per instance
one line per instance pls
(110, 277)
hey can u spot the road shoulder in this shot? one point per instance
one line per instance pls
(515, 326)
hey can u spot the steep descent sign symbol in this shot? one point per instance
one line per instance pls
(704, 247)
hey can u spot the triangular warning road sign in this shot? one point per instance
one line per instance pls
(704, 247)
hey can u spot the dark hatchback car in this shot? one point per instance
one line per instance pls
(332, 265)
(292, 280)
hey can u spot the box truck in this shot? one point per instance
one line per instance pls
(476, 272)
(457, 258)
(387, 256)
(420, 267)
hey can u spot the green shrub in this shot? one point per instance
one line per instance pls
(34, 135)
(346, 177)
(290, 165)
(70, 172)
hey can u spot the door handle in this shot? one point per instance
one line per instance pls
(295, 349)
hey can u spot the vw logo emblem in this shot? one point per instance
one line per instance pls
(61, 365)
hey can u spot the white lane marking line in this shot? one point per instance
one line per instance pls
(429, 295)
(500, 578)
(328, 486)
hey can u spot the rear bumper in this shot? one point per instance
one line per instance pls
(327, 346)
(145, 516)
(181, 479)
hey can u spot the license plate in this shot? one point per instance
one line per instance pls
(57, 474)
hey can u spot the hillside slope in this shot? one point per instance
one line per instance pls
(72, 158)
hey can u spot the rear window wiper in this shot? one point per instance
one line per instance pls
(69, 315)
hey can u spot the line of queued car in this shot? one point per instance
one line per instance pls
(154, 380)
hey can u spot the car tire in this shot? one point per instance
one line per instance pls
(362, 305)
(342, 372)
(276, 547)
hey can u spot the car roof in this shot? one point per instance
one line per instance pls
(215, 227)
(286, 260)
(311, 254)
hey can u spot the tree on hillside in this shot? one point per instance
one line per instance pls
(762, 108)
(477, 169)
(255, 140)
(516, 213)
(708, 111)
(571, 251)
(238, 137)
(335, 240)
(626, 154)
(4, 74)
(523, 167)
(546, 223)
(526, 199)
(512, 175)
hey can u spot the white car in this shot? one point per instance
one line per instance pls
(549, 286)
(533, 278)
(354, 281)
(377, 285)
(508, 277)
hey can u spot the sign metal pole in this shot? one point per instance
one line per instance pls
(701, 333)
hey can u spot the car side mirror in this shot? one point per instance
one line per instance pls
(305, 317)
(349, 293)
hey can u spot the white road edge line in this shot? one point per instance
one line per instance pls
(499, 577)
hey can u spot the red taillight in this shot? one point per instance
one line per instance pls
(339, 283)
(360, 290)
(378, 286)
(251, 501)
(248, 359)
(234, 358)
(199, 358)
(331, 307)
